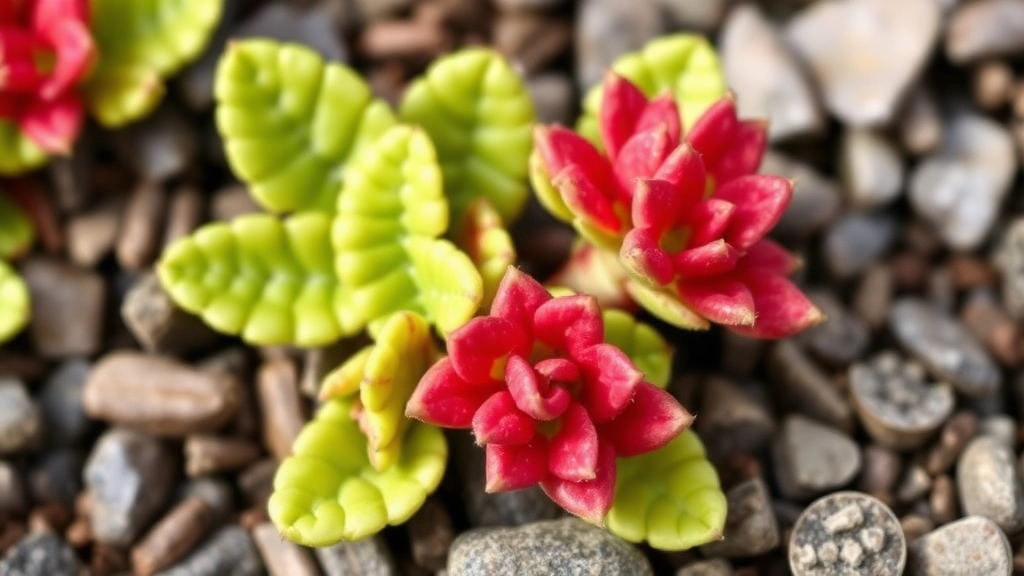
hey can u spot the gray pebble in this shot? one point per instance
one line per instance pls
(811, 458)
(159, 147)
(945, 347)
(157, 322)
(66, 423)
(713, 567)
(731, 420)
(847, 533)
(12, 490)
(607, 29)
(228, 552)
(43, 554)
(57, 477)
(816, 199)
(872, 168)
(556, 548)
(990, 484)
(750, 526)
(68, 305)
(841, 338)
(369, 557)
(20, 422)
(129, 476)
(984, 29)
(856, 241)
(806, 387)
(972, 545)
(1010, 261)
(920, 125)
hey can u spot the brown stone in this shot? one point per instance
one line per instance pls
(281, 406)
(140, 228)
(184, 213)
(68, 305)
(282, 557)
(91, 234)
(172, 537)
(206, 454)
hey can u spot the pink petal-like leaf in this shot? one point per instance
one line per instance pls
(709, 220)
(588, 200)
(770, 257)
(710, 259)
(514, 467)
(745, 152)
(712, 134)
(591, 499)
(558, 370)
(641, 157)
(642, 255)
(74, 54)
(719, 299)
(653, 419)
(517, 298)
(782, 309)
(499, 421)
(442, 398)
(662, 111)
(656, 204)
(760, 202)
(621, 107)
(532, 395)
(569, 323)
(610, 379)
(55, 125)
(572, 451)
(560, 148)
(479, 348)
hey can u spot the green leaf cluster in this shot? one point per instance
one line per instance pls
(15, 306)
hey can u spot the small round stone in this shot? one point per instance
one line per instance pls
(972, 545)
(847, 533)
(898, 407)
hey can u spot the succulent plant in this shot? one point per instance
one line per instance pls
(14, 302)
(687, 215)
(551, 402)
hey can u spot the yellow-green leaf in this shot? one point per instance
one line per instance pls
(385, 375)
(18, 153)
(141, 43)
(269, 280)
(651, 353)
(686, 64)
(670, 497)
(16, 231)
(485, 239)
(327, 491)
(479, 116)
(391, 213)
(291, 122)
(14, 302)
(666, 305)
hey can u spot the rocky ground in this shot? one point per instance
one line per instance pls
(902, 123)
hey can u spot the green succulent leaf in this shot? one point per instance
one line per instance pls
(686, 64)
(385, 374)
(389, 257)
(666, 305)
(269, 280)
(18, 153)
(327, 491)
(14, 302)
(670, 497)
(141, 43)
(291, 122)
(651, 353)
(485, 239)
(479, 115)
(16, 230)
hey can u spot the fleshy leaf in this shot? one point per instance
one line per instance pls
(269, 280)
(389, 257)
(142, 43)
(14, 302)
(327, 491)
(670, 497)
(16, 231)
(666, 306)
(290, 122)
(643, 344)
(686, 64)
(479, 115)
(18, 153)
(385, 375)
(485, 239)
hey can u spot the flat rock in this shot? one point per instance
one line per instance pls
(766, 77)
(43, 554)
(856, 241)
(872, 168)
(960, 188)
(750, 525)
(607, 29)
(811, 458)
(20, 422)
(159, 395)
(68, 305)
(61, 401)
(972, 545)
(865, 54)
(367, 557)
(944, 346)
(129, 476)
(985, 29)
(556, 548)
(228, 552)
(990, 484)
(806, 387)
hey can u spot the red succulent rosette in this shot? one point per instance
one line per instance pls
(550, 401)
(688, 215)
(46, 49)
